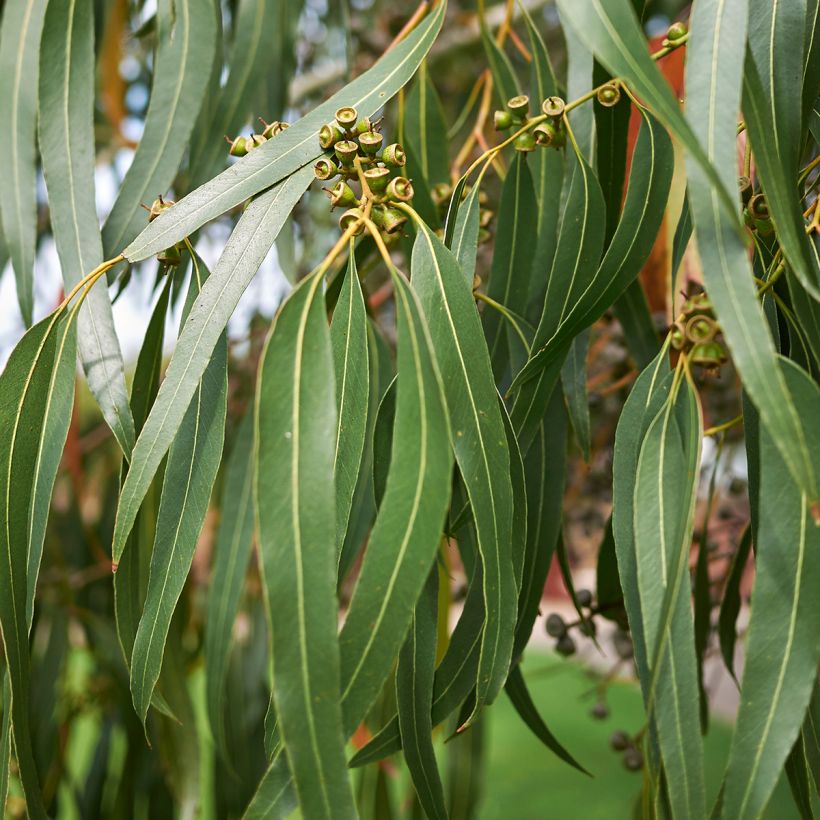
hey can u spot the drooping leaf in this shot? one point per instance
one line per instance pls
(193, 461)
(291, 150)
(781, 654)
(19, 69)
(574, 382)
(797, 772)
(505, 83)
(730, 605)
(348, 338)
(5, 741)
(232, 550)
(414, 696)
(478, 440)
(249, 244)
(186, 45)
(724, 256)
(579, 82)
(66, 136)
(296, 521)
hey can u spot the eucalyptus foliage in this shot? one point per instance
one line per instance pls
(409, 414)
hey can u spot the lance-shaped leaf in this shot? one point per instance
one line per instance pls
(193, 461)
(730, 605)
(574, 383)
(36, 392)
(186, 45)
(66, 132)
(351, 364)
(232, 550)
(718, 34)
(292, 149)
(5, 741)
(19, 68)
(479, 442)
(407, 532)
(504, 80)
(294, 498)
(518, 537)
(255, 52)
(249, 244)
(781, 655)
(414, 697)
(811, 734)
(772, 103)
(663, 509)
(612, 32)
(797, 771)
(512, 264)
(464, 243)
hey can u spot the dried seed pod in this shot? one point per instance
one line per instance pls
(584, 598)
(377, 178)
(565, 646)
(502, 120)
(325, 168)
(553, 106)
(349, 218)
(371, 142)
(394, 155)
(609, 95)
(346, 117)
(400, 188)
(633, 759)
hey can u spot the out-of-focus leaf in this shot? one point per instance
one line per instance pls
(640, 333)
(19, 69)
(292, 149)
(664, 502)
(414, 697)
(193, 462)
(730, 605)
(348, 339)
(781, 655)
(232, 549)
(574, 382)
(479, 442)
(772, 107)
(36, 393)
(66, 136)
(724, 256)
(518, 540)
(249, 244)
(797, 771)
(512, 265)
(579, 81)
(683, 233)
(186, 45)
(607, 581)
(5, 741)
(296, 520)
(465, 772)
(505, 83)
(519, 695)
(811, 734)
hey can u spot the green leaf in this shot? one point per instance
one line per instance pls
(66, 136)
(232, 551)
(516, 689)
(5, 741)
(479, 442)
(579, 82)
(612, 32)
(404, 540)
(724, 256)
(193, 461)
(19, 69)
(36, 394)
(186, 46)
(255, 53)
(772, 103)
(348, 338)
(811, 734)
(730, 605)
(518, 539)
(250, 242)
(292, 149)
(512, 264)
(294, 501)
(574, 382)
(414, 697)
(607, 581)
(464, 244)
(505, 83)
(781, 649)
(664, 500)
(797, 772)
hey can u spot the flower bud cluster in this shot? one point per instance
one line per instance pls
(695, 332)
(547, 134)
(241, 146)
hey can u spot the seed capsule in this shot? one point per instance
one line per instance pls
(325, 168)
(701, 329)
(556, 626)
(524, 142)
(633, 759)
(346, 117)
(600, 711)
(346, 151)
(170, 256)
(553, 106)
(394, 155)
(502, 120)
(273, 129)
(609, 95)
(254, 141)
(565, 646)
(400, 188)
(371, 142)
(676, 32)
(377, 178)
(519, 106)
(341, 195)
(708, 354)
(745, 186)
(157, 207)
(619, 741)
(238, 146)
(758, 207)
(584, 597)
(329, 135)
(544, 133)
(349, 218)
(390, 220)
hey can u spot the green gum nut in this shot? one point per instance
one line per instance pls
(744, 184)
(394, 155)
(363, 125)
(678, 338)
(609, 95)
(440, 192)
(390, 220)
(676, 32)
(701, 329)
(238, 147)
(371, 142)
(377, 178)
(553, 106)
(545, 134)
(329, 135)
(519, 106)
(346, 117)
(158, 206)
(764, 227)
(273, 129)
(524, 142)
(254, 141)
(325, 168)
(341, 195)
(349, 218)
(346, 151)
(400, 188)
(708, 354)
(170, 256)
(758, 207)
(502, 120)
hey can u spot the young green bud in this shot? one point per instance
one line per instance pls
(524, 142)
(502, 120)
(346, 151)
(238, 146)
(609, 95)
(390, 220)
(329, 135)
(519, 106)
(400, 188)
(341, 195)
(350, 218)
(325, 168)
(346, 117)
(371, 142)
(553, 106)
(394, 155)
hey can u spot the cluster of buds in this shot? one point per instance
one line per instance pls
(355, 153)
(240, 146)
(441, 195)
(170, 256)
(559, 629)
(548, 133)
(695, 333)
(620, 741)
(755, 208)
